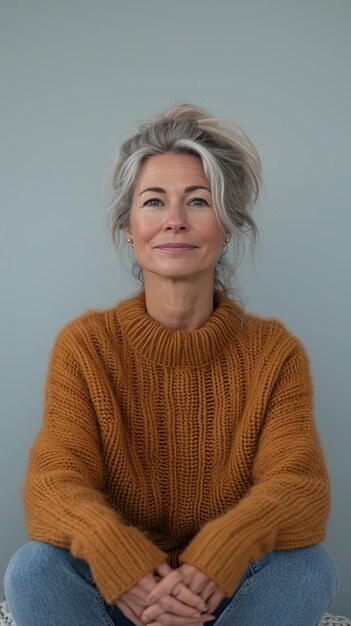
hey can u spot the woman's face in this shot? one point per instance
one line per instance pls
(174, 228)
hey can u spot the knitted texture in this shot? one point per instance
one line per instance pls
(191, 446)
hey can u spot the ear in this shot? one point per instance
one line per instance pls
(127, 232)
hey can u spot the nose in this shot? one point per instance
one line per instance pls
(176, 218)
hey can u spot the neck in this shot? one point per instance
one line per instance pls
(178, 305)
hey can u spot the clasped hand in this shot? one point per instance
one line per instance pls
(183, 597)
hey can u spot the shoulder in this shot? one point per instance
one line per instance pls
(269, 328)
(261, 335)
(93, 330)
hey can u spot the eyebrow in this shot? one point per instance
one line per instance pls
(187, 189)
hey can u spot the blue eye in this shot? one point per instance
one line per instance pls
(152, 202)
(198, 202)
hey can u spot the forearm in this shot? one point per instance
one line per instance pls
(272, 516)
(63, 508)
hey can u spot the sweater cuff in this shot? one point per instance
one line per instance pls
(118, 558)
(207, 553)
(225, 546)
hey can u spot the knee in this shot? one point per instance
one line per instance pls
(27, 567)
(314, 570)
(321, 571)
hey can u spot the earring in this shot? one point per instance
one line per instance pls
(227, 240)
(130, 241)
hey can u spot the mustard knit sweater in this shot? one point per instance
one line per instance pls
(191, 446)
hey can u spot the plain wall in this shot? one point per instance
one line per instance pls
(76, 75)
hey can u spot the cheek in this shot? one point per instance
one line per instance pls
(141, 229)
(144, 233)
(214, 234)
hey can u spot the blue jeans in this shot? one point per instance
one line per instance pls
(47, 586)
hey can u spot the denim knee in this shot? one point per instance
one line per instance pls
(47, 585)
(314, 569)
(28, 566)
(322, 571)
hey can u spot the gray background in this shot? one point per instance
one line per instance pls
(76, 75)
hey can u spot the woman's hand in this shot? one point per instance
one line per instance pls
(167, 610)
(133, 602)
(182, 595)
(201, 584)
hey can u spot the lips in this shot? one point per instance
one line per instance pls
(176, 246)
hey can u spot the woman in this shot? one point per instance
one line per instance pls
(178, 476)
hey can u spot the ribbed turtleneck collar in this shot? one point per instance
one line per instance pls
(179, 348)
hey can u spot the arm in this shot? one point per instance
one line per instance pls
(64, 488)
(288, 504)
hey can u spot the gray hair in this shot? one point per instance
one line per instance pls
(230, 162)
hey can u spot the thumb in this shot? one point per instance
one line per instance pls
(164, 569)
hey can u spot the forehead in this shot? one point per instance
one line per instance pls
(173, 168)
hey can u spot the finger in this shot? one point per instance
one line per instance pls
(169, 604)
(165, 586)
(209, 589)
(141, 590)
(147, 583)
(194, 578)
(167, 619)
(185, 595)
(215, 600)
(185, 624)
(181, 591)
(171, 624)
(129, 613)
(137, 596)
(164, 569)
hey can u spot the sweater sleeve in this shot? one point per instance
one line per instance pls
(64, 488)
(288, 503)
